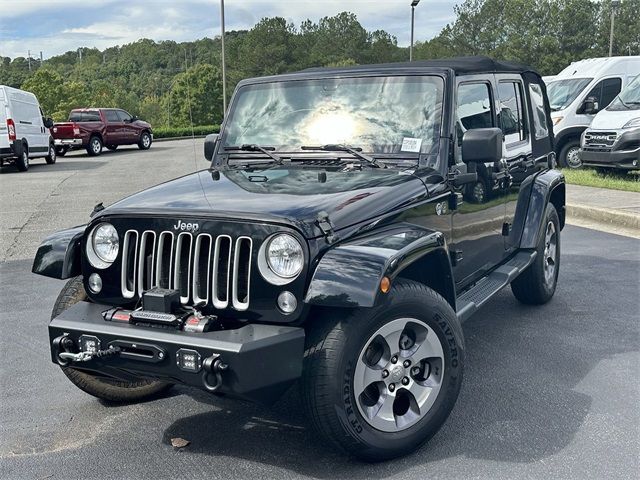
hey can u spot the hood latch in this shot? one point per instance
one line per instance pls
(326, 226)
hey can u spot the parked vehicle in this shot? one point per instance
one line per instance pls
(328, 242)
(579, 92)
(613, 139)
(24, 130)
(95, 128)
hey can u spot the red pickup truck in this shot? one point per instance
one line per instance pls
(95, 128)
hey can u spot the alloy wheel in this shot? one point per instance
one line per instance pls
(573, 157)
(398, 374)
(550, 253)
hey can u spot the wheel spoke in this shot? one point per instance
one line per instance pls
(368, 376)
(381, 414)
(430, 347)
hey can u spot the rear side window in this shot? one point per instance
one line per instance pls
(605, 91)
(540, 128)
(79, 117)
(512, 112)
(111, 116)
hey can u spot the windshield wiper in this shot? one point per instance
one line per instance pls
(355, 151)
(252, 147)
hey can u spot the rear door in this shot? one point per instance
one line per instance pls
(4, 131)
(517, 149)
(114, 128)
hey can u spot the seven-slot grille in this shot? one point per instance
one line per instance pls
(204, 268)
(602, 141)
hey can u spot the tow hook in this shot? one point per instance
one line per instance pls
(61, 346)
(213, 365)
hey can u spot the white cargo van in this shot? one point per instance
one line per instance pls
(580, 91)
(613, 139)
(24, 132)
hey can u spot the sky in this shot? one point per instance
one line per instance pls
(56, 26)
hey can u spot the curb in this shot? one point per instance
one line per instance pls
(602, 215)
(167, 139)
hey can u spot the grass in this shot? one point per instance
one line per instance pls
(629, 182)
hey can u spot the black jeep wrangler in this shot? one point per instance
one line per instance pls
(329, 242)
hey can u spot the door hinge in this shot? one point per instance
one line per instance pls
(324, 223)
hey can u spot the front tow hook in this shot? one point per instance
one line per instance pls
(213, 365)
(61, 347)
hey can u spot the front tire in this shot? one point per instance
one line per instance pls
(106, 388)
(537, 284)
(52, 156)
(412, 341)
(145, 141)
(95, 146)
(570, 155)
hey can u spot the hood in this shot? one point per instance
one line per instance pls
(613, 119)
(295, 196)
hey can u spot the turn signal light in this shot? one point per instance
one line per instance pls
(11, 126)
(385, 284)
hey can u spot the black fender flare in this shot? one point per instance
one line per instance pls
(548, 186)
(349, 274)
(58, 255)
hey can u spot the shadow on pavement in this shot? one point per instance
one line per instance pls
(519, 402)
(60, 166)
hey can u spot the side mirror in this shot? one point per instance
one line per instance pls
(482, 145)
(210, 145)
(590, 106)
(48, 122)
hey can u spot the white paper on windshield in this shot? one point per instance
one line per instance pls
(411, 144)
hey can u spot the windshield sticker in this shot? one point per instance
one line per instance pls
(411, 144)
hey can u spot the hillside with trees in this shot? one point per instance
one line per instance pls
(169, 83)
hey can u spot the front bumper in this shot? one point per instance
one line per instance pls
(624, 153)
(262, 361)
(67, 142)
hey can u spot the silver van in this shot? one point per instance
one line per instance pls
(580, 91)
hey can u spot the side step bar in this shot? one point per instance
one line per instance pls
(469, 301)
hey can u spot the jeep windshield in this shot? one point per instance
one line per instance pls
(563, 92)
(383, 117)
(627, 99)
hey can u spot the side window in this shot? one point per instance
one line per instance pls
(605, 91)
(474, 106)
(540, 127)
(124, 116)
(512, 112)
(112, 116)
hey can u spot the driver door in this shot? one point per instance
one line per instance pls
(477, 241)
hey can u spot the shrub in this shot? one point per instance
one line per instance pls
(185, 131)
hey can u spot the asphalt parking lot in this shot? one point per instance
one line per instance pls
(549, 392)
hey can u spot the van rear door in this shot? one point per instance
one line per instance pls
(4, 131)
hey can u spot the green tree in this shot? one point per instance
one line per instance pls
(47, 85)
(196, 96)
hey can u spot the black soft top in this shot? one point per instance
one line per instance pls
(460, 66)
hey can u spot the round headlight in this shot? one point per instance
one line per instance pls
(285, 256)
(105, 242)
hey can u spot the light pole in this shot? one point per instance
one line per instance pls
(224, 68)
(414, 4)
(614, 6)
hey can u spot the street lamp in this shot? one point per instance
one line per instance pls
(614, 7)
(224, 68)
(414, 4)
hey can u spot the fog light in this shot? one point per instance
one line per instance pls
(95, 283)
(287, 302)
(635, 163)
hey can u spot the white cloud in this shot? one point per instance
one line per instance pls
(117, 22)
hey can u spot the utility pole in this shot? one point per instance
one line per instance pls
(614, 6)
(414, 4)
(29, 58)
(224, 68)
(41, 60)
(80, 54)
